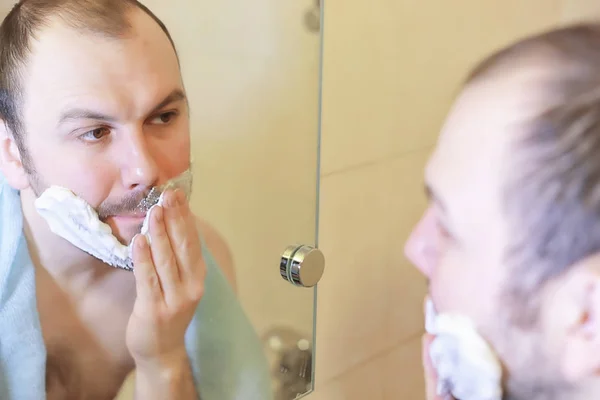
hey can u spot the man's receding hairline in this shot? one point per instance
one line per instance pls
(553, 46)
(534, 57)
(116, 29)
(538, 70)
(126, 31)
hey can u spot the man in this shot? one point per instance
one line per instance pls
(91, 99)
(511, 237)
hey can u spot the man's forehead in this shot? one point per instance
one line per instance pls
(472, 157)
(490, 115)
(68, 68)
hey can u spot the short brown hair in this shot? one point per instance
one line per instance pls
(552, 198)
(27, 18)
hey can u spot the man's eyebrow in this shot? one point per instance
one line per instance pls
(443, 217)
(432, 196)
(82, 113)
(175, 96)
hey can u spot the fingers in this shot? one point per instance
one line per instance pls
(174, 257)
(431, 379)
(430, 388)
(147, 283)
(181, 227)
(162, 254)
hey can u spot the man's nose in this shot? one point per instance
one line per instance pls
(420, 248)
(140, 167)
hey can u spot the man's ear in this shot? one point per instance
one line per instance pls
(574, 310)
(11, 165)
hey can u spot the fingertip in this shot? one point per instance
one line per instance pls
(170, 200)
(430, 374)
(157, 213)
(180, 196)
(140, 248)
(427, 339)
(141, 243)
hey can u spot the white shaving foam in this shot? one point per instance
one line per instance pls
(73, 219)
(466, 365)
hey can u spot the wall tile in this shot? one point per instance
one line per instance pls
(370, 298)
(389, 376)
(403, 372)
(391, 68)
(364, 382)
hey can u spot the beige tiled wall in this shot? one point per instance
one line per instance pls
(391, 68)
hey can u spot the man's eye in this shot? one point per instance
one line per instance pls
(96, 135)
(164, 118)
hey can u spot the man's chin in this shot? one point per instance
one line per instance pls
(125, 228)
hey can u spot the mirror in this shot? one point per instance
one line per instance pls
(251, 72)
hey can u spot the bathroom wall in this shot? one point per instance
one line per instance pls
(577, 10)
(391, 69)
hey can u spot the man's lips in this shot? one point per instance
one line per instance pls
(136, 216)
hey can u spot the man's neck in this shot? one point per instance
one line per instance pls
(68, 265)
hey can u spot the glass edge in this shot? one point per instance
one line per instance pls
(318, 191)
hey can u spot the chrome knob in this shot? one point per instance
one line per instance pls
(302, 265)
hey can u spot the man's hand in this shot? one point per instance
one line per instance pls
(430, 374)
(169, 276)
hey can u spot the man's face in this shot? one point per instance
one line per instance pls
(461, 242)
(106, 118)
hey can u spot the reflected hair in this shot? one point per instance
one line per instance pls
(552, 193)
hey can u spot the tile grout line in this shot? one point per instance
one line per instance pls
(377, 161)
(373, 357)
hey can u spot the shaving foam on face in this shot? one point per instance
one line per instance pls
(466, 365)
(73, 219)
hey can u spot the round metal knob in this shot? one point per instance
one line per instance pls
(302, 265)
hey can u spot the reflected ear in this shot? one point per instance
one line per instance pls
(578, 307)
(11, 165)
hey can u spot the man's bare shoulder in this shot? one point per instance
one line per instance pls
(219, 249)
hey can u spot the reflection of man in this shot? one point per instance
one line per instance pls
(512, 234)
(92, 100)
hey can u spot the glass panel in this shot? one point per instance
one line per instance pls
(252, 73)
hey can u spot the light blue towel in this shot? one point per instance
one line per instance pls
(225, 353)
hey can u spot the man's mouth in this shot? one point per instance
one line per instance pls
(129, 217)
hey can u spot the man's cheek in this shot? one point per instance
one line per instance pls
(441, 292)
(92, 187)
(453, 287)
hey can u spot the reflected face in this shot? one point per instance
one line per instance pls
(106, 118)
(458, 244)
(462, 239)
